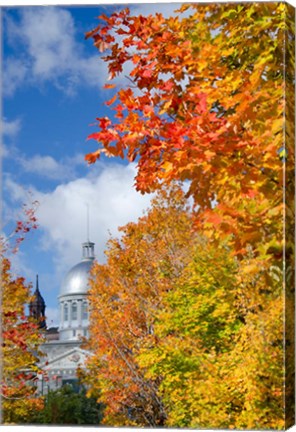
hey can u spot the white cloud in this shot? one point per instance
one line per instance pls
(17, 192)
(10, 128)
(15, 72)
(48, 167)
(8, 132)
(61, 214)
(166, 9)
(18, 260)
(50, 52)
(3, 151)
(41, 164)
(55, 54)
(113, 202)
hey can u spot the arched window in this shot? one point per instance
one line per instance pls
(66, 312)
(74, 312)
(84, 311)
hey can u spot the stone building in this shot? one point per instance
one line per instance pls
(62, 349)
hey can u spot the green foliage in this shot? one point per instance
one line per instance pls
(68, 407)
(195, 329)
(219, 356)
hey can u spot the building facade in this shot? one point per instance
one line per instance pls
(62, 350)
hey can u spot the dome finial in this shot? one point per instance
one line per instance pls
(87, 222)
(88, 246)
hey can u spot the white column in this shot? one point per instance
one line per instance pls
(70, 314)
(61, 314)
(79, 312)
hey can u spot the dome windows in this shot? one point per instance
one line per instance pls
(88, 250)
(84, 311)
(66, 312)
(74, 312)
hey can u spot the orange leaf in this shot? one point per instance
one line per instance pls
(112, 100)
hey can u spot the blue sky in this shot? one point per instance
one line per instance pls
(52, 93)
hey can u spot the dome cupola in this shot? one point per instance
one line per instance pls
(88, 252)
(76, 280)
(73, 296)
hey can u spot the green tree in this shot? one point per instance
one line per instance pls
(68, 407)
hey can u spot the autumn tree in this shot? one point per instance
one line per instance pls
(183, 334)
(220, 347)
(125, 294)
(20, 335)
(206, 104)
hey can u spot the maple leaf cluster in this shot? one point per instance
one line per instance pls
(206, 104)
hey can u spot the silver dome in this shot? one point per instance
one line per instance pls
(76, 281)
